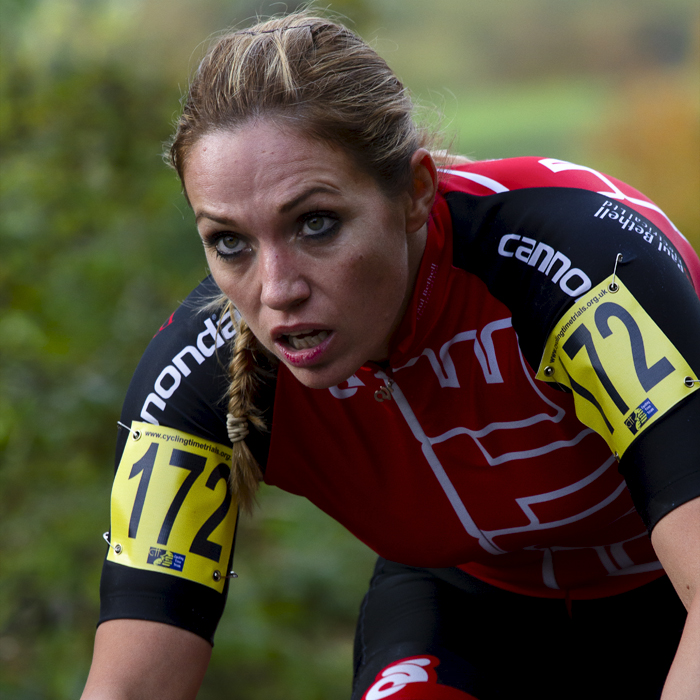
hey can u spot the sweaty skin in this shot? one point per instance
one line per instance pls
(318, 260)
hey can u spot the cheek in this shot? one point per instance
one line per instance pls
(223, 282)
(379, 282)
(233, 289)
(372, 313)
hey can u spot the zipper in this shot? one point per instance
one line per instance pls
(381, 371)
(384, 393)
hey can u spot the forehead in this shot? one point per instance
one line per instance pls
(263, 161)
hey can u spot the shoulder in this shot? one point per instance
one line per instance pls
(182, 379)
(542, 232)
(551, 190)
(182, 375)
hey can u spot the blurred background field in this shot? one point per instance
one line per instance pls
(97, 247)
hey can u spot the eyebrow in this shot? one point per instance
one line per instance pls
(325, 189)
(284, 209)
(212, 217)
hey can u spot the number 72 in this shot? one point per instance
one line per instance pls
(648, 377)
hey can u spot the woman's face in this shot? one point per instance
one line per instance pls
(316, 258)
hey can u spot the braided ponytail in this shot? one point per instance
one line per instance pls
(245, 374)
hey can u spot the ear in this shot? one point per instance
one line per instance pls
(423, 189)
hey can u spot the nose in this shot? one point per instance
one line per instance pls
(282, 282)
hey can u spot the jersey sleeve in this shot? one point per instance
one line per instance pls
(173, 519)
(604, 306)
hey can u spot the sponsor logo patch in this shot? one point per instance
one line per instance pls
(166, 559)
(552, 263)
(215, 334)
(640, 416)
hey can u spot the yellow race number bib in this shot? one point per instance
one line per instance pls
(172, 510)
(622, 369)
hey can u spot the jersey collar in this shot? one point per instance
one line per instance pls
(428, 297)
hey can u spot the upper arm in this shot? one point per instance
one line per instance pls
(171, 480)
(143, 660)
(676, 540)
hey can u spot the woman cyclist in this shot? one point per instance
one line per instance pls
(488, 372)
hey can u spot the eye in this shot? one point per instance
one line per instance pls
(228, 245)
(316, 225)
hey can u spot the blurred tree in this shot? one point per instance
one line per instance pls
(651, 139)
(87, 219)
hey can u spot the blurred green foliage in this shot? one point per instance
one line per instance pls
(97, 246)
(88, 219)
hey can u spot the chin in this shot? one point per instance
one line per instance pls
(320, 378)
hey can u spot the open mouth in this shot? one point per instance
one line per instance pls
(304, 340)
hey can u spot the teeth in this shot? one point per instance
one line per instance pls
(306, 339)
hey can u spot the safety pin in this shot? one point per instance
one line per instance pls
(613, 286)
(116, 547)
(135, 433)
(217, 575)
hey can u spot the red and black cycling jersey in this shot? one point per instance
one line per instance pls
(452, 453)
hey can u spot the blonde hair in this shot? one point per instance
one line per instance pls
(310, 74)
(245, 373)
(316, 77)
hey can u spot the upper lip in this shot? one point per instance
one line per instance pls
(278, 331)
